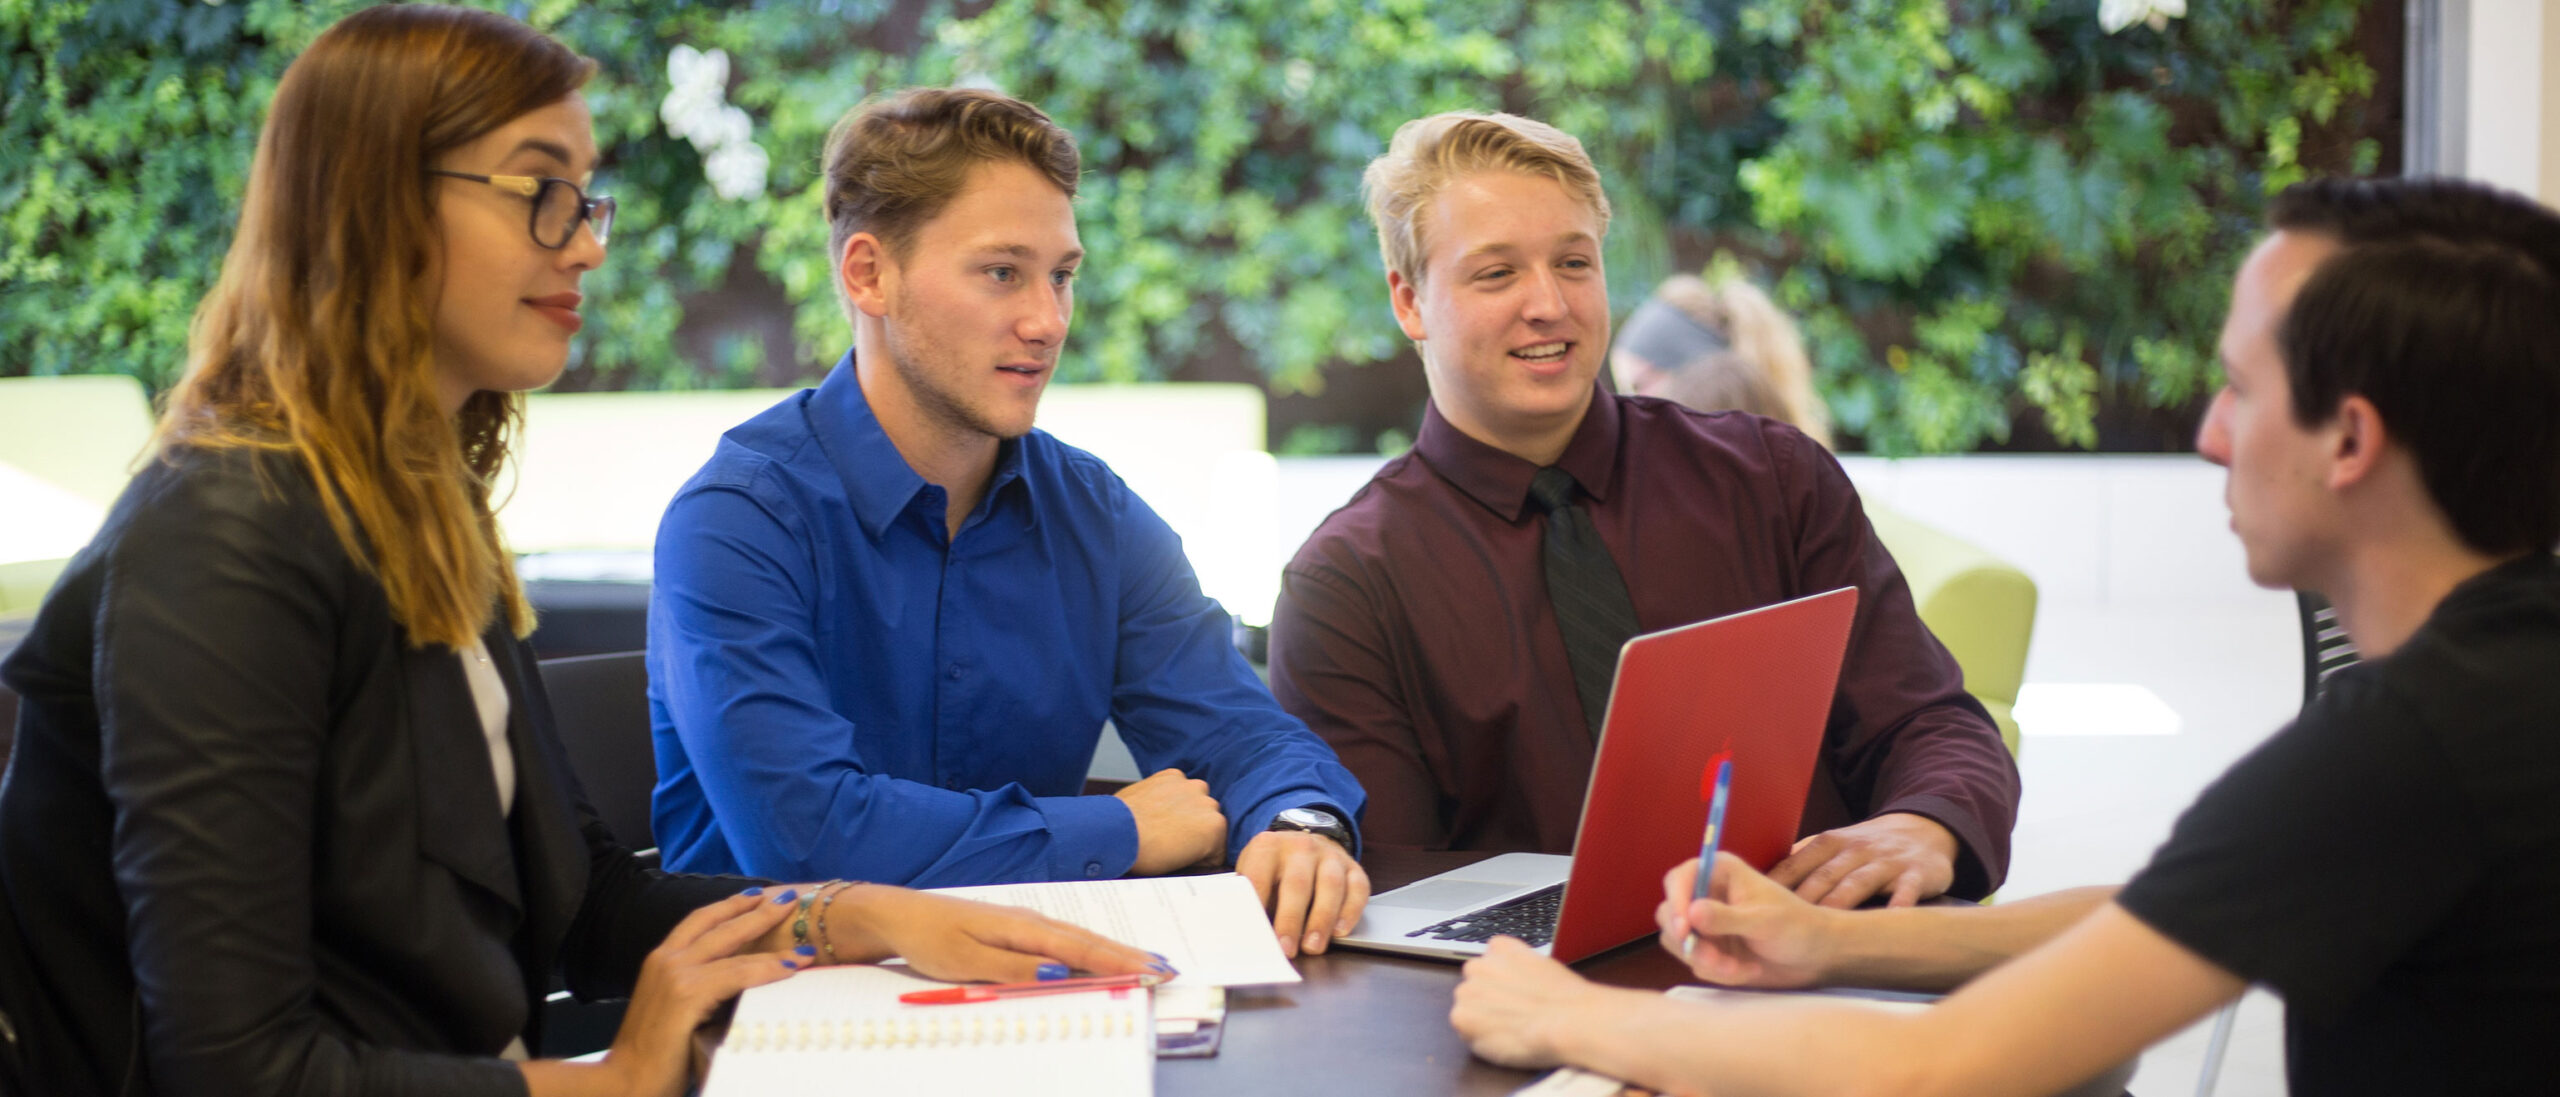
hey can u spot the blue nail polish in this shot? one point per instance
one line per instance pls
(788, 894)
(1161, 957)
(1051, 971)
(806, 950)
(793, 965)
(753, 891)
(1164, 969)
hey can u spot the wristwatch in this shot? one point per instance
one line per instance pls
(1314, 821)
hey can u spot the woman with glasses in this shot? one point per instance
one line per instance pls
(285, 813)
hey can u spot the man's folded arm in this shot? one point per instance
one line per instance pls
(1184, 697)
(735, 657)
(1919, 742)
(1332, 667)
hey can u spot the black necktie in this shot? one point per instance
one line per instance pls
(1590, 597)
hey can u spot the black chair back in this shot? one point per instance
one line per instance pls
(2325, 647)
(600, 703)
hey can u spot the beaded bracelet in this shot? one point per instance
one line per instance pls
(800, 917)
(826, 940)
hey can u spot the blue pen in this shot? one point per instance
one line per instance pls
(1715, 828)
(1707, 844)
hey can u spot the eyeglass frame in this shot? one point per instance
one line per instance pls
(532, 186)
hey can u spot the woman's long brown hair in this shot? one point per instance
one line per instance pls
(317, 339)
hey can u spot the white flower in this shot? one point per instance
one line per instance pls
(736, 170)
(723, 127)
(689, 67)
(1297, 76)
(696, 109)
(2116, 15)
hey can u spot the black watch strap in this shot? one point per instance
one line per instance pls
(1315, 819)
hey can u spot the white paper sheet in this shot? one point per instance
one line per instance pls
(1210, 928)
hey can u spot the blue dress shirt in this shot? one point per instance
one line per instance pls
(838, 688)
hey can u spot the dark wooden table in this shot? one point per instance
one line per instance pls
(1365, 1022)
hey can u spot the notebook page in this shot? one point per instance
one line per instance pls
(842, 1028)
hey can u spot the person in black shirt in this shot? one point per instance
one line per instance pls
(2390, 863)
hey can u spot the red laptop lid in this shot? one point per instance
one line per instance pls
(1757, 684)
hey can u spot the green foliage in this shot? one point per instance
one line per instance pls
(1979, 209)
(2000, 205)
(106, 248)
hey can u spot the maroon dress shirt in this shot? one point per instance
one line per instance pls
(1413, 631)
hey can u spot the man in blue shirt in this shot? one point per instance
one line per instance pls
(890, 618)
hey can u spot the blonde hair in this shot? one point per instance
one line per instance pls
(892, 164)
(1427, 153)
(317, 340)
(1763, 347)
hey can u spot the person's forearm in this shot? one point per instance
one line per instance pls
(857, 924)
(2106, 987)
(1803, 1046)
(559, 1078)
(1940, 947)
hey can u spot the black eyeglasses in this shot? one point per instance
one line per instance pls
(558, 205)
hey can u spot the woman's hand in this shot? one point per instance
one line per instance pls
(1748, 932)
(689, 974)
(960, 940)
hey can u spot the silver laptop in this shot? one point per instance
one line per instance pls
(1453, 914)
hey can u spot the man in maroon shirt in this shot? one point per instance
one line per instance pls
(1414, 629)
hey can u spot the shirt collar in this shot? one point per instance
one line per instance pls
(1500, 481)
(877, 479)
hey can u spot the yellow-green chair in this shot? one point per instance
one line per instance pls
(23, 584)
(1981, 607)
(68, 444)
(81, 434)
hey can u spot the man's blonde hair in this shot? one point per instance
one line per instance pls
(1427, 153)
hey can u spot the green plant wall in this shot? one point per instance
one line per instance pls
(1983, 211)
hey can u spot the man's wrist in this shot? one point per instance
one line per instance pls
(1316, 819)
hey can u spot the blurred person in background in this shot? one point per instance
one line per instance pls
(1718, 345)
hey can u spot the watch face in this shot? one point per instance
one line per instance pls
(1316, 821)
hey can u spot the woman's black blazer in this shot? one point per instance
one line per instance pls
(249, 836)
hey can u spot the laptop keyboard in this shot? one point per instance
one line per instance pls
(1530, 917)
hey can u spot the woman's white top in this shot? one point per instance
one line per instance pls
(489, 696)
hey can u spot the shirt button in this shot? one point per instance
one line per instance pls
(1092, 869)
(955, 674)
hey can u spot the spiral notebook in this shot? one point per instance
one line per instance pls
(842, 1029)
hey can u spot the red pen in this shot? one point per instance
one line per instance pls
(988, 992)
